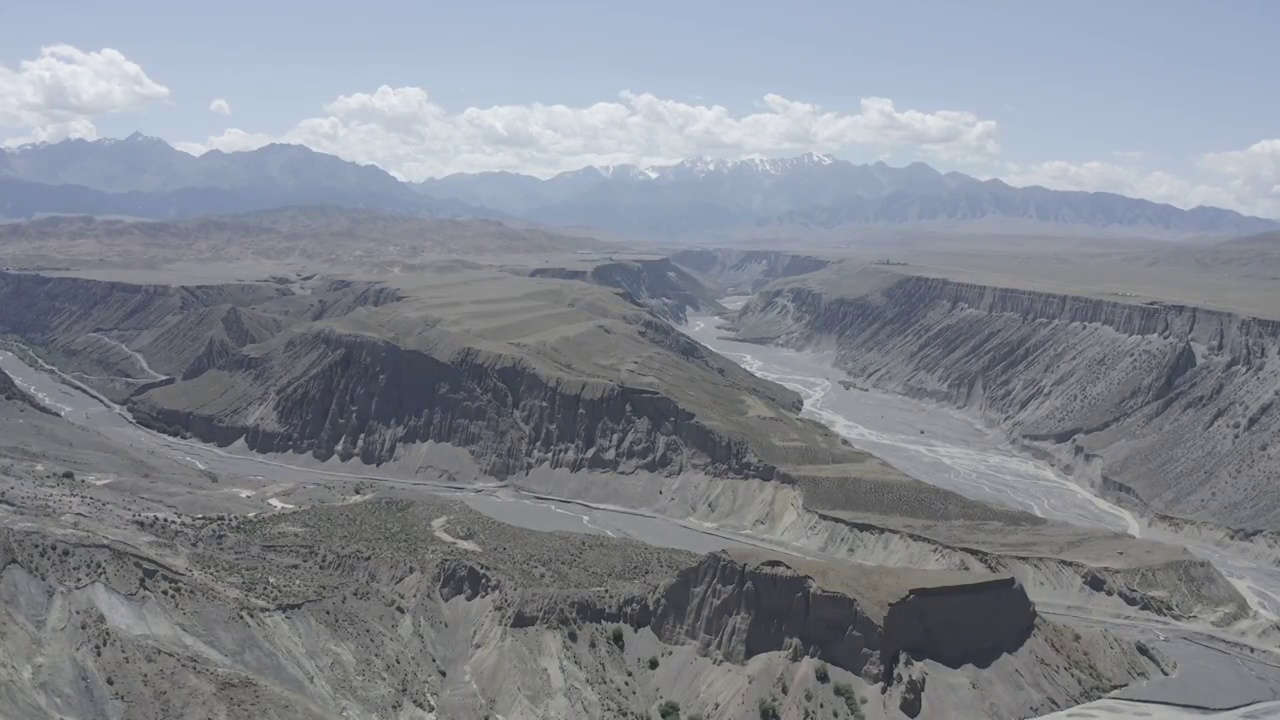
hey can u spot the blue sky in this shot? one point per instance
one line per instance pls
(1168, 100)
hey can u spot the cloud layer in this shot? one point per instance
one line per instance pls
(57, 95)
(404, 131)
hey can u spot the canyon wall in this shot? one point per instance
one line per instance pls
(1170, 406)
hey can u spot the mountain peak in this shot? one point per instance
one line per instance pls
(137, 138)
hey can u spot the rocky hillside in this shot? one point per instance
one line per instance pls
(660, 285)
(426, 609)
(12, 394)
(1173, 407)
(744, 272)
(122, 337)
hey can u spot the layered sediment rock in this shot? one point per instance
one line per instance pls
(330, 393)
(116, 331)
(660, 285)
(743, 272)
(1173, 406)
(737, 609)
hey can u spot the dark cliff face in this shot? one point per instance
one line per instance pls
(960, 624)
(738, 611)
(1177, 404)
(182, 331)
(663, 287)
(36, 306)
(329, 393)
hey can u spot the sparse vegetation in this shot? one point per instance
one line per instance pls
(618, 638)
(852, 701)
(653, 662)
(821, 673)
(669, 710)
(768, 709)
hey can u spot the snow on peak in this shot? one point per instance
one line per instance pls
(703, 165)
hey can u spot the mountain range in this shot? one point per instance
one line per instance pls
(697, 199)
(145, 177)
(815, 192)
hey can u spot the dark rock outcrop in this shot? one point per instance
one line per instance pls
(329, 393)
(738, 611)
(959, 624)
(659, 285)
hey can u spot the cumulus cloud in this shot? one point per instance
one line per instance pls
(404, 131)
(220, 106)
(1245, 180)
(1252, 174)
(233, 140)
(57, 95)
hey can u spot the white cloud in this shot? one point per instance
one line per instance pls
(1252, 174)
(56, 95)
(405, 132)
(232, 140)
(220, 106)
(1160, 186)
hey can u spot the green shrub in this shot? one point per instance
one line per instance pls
(669, 709)
(618, 638)
(821, 674)
(653, 662)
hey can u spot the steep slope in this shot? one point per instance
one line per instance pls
(745, 272)
(11, 394)
(121, 337)
(1171, 406)
(376, 610)
(544, 372)
(660, 285)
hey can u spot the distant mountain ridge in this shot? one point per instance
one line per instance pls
(145, 177)
(812, 192)
(696, 199)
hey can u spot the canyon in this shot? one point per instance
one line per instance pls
(599, 484)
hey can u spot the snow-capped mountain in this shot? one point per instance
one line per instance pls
(707, 196)
(700, 198)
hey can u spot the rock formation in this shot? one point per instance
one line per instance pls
(1172, 406)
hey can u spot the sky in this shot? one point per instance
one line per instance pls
(1173, 101)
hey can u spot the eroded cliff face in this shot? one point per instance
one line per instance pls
(738, 610)
(660, 285)
(1173, 406)
(361, 611)
(742, 272)
(120, 336)
(328, 393)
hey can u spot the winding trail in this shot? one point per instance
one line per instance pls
(136, 355)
